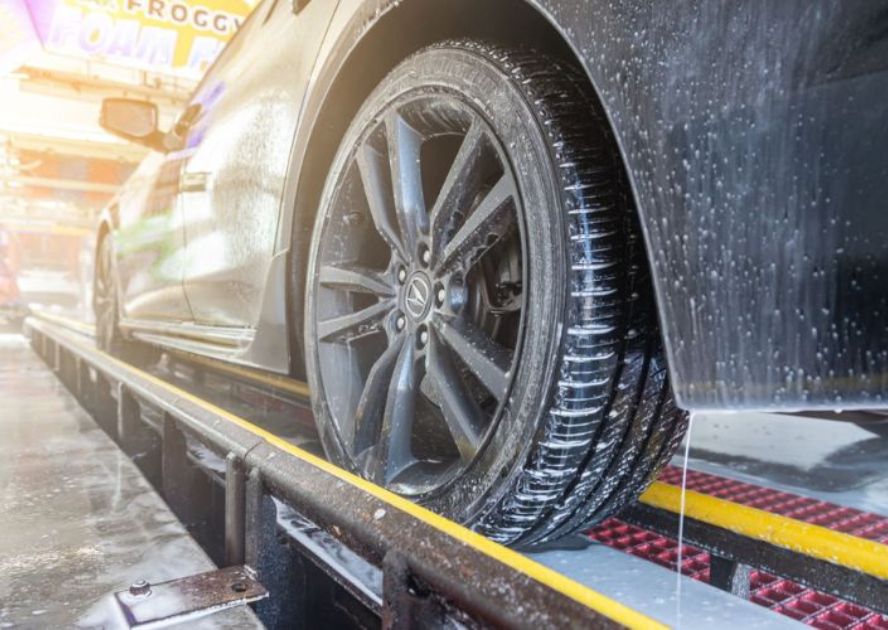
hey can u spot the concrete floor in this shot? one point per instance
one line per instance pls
(77, 519)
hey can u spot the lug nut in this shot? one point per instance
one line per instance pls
(442, 295)
(424, 337)
(426, 256)
(402, 275)
(400, 322)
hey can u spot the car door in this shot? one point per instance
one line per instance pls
(150, 242)
(239, 147)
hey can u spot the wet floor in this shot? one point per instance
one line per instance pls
(78, 521)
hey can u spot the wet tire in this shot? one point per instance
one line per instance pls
(109, 337)
(565, 366)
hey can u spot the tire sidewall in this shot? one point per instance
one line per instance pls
(485, 84)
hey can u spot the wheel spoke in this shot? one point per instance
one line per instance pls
(355, 278)
(396, 454)
(404, 147)
(464, 418)
(484, 226)
(355, 324)
(371, 165)
(455, 194)
(489, 361)
(426, 405)
(368, 415)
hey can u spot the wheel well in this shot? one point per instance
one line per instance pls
(403, 30)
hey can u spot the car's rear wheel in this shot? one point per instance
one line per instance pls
(480, 332)
(109, 337)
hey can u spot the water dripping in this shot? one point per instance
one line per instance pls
(681, 519)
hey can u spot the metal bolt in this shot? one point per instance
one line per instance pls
(426, 256)
(442, 295)
(400, 322)
(140, 588)
(402, 275)
(424, 337)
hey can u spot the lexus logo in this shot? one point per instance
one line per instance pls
(416, 301)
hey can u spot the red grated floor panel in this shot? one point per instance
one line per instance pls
(786, 597)
(836, 517)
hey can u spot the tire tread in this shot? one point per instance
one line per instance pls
(611, 422)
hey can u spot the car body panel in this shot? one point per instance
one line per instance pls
(238, 160)
(754, 141)
(753, 138)
(150, 242)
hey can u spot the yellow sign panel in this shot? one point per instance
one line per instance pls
(170, 36)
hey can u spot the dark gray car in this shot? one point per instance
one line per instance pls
(509, 243)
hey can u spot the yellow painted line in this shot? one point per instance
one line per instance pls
(274, 380)
(65, 321)
(557, 582)
(59, 230)
(65, 230)
(815, 541)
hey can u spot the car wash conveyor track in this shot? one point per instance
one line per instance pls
(430, 566)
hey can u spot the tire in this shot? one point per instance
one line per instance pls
(555, 348)
(106, 307)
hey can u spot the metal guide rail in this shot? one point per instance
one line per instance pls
(335, 513)
(367, 554)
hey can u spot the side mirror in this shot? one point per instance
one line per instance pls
(132, 120)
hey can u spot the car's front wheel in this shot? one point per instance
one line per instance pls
(480, 331)
(105, 306)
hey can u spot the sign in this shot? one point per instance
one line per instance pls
(176, 37)
(17, 37)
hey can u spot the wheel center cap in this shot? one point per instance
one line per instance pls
(418, 296)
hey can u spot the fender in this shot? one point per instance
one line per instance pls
(751, 140)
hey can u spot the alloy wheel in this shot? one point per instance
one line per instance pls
(420, 279)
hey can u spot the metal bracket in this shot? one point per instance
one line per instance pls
(147, 605)
(406, 604)
(729, 575)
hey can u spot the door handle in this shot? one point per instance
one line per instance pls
(194, 182)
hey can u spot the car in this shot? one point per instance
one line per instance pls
(511, 244)
(12, 309)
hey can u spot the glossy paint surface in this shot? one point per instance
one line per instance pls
(238, 159)
(753, 138)
(150, 242)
